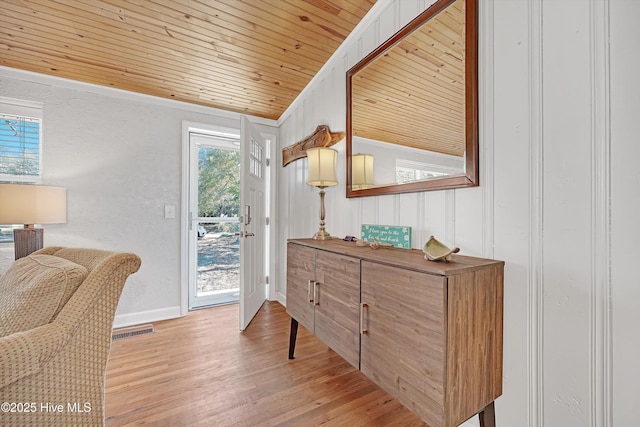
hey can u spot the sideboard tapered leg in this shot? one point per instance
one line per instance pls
(293, 334)
(488, 416)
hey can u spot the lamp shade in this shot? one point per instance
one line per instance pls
(32, 204)
(361, 171)
(322, 167)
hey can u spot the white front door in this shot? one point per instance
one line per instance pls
(253, 222)
(225, 236)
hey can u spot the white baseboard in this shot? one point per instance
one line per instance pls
(130, 319)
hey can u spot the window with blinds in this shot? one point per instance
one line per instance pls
(20, 140)
(20, 147)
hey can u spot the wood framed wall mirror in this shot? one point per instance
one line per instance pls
(412, 106)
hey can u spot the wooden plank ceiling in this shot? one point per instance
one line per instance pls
(248, 56)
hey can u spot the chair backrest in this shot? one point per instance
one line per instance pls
(89, 258)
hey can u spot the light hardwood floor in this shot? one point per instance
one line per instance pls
(200, 370)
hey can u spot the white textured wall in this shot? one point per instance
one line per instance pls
(558, 201)
(120, 156)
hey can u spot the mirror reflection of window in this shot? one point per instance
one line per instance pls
(408, 171)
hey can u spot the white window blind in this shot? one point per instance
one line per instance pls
(20, 140)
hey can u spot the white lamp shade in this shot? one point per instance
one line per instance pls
(361, 171)
(322, 167)
(32, 204)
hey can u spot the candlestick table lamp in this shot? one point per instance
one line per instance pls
(322, 174)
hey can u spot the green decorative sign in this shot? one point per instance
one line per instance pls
(399, 237)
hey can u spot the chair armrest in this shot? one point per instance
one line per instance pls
(23, 353)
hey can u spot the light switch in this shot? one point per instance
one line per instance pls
(169, 211)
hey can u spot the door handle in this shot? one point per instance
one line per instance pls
(247, 214)
(309, 294)
(244, 234)
(315, 293)
(363, 330)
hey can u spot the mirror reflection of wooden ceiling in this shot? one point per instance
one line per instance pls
(414, 94)
(249, 56)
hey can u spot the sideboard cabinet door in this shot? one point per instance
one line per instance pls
(403, 337)
(337, 304)
(301, 262)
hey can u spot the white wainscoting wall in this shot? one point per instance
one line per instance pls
(559, 198)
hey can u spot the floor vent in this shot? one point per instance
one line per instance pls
(133, 331)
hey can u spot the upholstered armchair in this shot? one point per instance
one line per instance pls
(56, 314)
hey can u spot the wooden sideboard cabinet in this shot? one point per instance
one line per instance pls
(428, 333)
